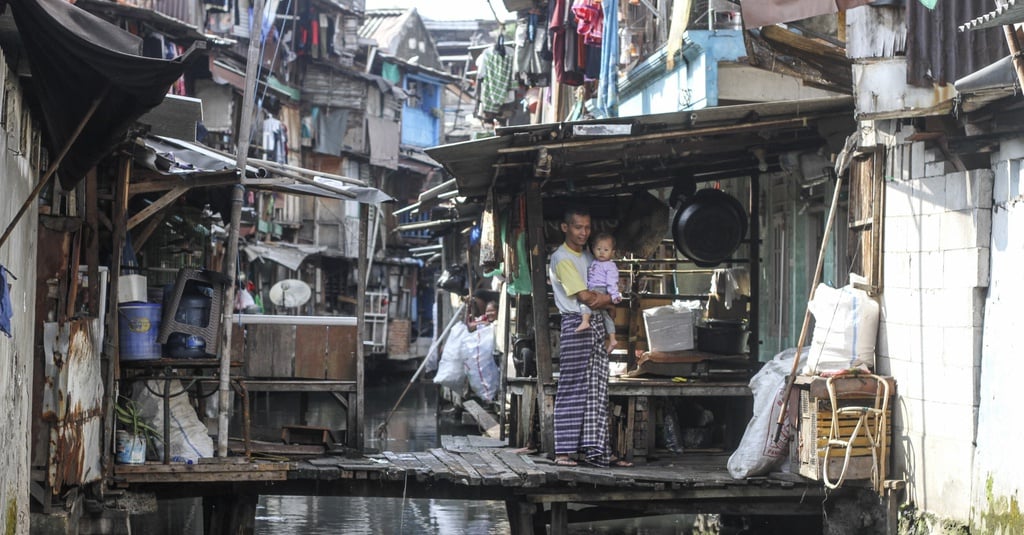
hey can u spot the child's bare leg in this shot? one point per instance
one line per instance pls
(612, 342)
(585, 324)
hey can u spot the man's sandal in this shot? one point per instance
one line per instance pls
(619, 463)
(564, 461)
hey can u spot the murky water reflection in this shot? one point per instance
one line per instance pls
(413, 427)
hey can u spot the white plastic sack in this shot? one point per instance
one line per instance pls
(845, 330)
(478, 362)
(189, 440)
(758, 452)
(449, 370)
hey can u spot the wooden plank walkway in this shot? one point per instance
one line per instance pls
(481, 468)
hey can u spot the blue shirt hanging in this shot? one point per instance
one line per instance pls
(6, 309)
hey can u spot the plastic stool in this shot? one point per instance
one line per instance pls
(210, 332)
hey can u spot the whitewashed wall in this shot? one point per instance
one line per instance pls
(937, 231)
(17, 255)
(998, 465)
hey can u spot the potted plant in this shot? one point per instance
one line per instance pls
(136, 434)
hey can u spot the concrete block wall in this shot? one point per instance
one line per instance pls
(938, 224)
(998, 471)
(17, 178)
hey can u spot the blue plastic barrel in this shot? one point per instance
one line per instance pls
(138, 327)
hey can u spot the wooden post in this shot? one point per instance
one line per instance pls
(230, 514)
(754, 342)
(120, 207)
(520, 516)
(357, 435)
(541, 336)
(559, 518)
(92, 251)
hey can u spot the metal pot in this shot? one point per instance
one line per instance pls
(723, 337)
(709, 226)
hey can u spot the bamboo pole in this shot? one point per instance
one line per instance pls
(807, 313)
(55, 165)
(1014, 45)
(231, 256)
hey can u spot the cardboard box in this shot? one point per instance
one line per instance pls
(132, 289)
(669, 328)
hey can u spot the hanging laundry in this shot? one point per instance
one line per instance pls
(563, 43)
(533, 54)
(6, 309)
(497, 81)
(589, 20)
(625, 44)
(608, 82)
(275, 140)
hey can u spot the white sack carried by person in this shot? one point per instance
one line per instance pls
(449, 369)
(845, 330)
(478, 362)
(759, 452)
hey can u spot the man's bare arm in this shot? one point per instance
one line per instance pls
(594, 300)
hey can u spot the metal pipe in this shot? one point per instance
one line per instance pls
(437, 190)
(301, 170)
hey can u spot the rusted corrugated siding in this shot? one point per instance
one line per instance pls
(74, 401)
(938, 53)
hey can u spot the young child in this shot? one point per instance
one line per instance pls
(488, 317)
(603, 277)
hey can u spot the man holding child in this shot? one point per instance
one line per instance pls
(581, 401)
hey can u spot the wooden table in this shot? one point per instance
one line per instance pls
(634, 393)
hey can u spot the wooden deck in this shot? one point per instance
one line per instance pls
(480, 468)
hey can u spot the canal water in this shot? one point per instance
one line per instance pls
(415, 427)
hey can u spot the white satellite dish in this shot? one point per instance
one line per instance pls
(290, 293)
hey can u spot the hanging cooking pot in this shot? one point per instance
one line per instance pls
(709, 226)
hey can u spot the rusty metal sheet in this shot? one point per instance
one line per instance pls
(310, 351)
(341, 353)
(73, 402)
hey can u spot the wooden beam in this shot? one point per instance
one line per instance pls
(142, 236)
(168, 184)
(157, 205)
(674, 134)
(541, 336)
(92, 244)
(483, 419)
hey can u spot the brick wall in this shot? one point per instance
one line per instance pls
(398, 336)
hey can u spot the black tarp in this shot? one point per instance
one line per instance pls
(74, 56)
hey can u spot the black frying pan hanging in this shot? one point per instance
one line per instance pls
(709, 226)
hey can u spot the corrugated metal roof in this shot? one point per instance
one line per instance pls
(1011, 13)
(646, 151)
(937, 53)
(384, 26)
